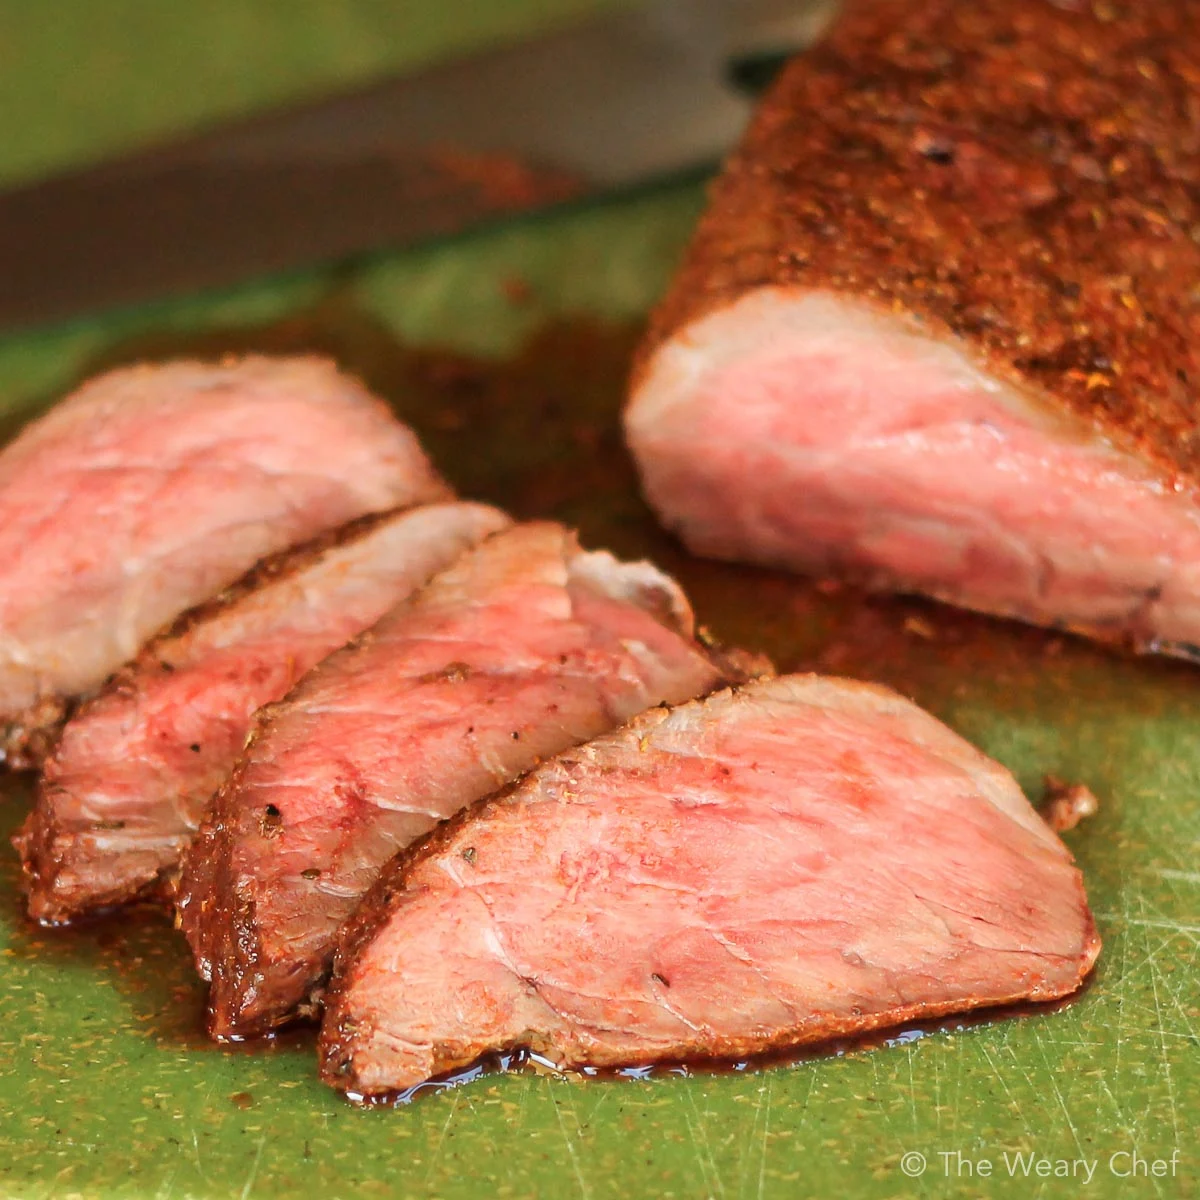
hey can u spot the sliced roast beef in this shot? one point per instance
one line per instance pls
(527, 645)
(939, 329)
(801, 859)
(136, 767)
(152, 488)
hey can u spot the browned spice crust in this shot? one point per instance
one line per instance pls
(217, 917)
(337, 1068)
(1024, 174)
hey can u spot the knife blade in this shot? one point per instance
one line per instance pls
(603, 106)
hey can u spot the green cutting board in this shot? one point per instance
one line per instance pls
(107, 1088)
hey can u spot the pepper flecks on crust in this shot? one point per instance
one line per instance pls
(1022, 173)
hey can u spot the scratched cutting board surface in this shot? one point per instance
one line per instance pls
(507, 351)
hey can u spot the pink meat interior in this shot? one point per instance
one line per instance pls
(810, 432)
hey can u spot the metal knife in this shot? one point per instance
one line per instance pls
(615, 102)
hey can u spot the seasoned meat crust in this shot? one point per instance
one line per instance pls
(800, 859)
(1023, 173)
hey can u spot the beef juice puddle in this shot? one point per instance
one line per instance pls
(525, 1062)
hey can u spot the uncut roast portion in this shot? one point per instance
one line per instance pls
(939, 330)
(799, 859)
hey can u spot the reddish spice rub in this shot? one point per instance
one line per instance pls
(1022, 173)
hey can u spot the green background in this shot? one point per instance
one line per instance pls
(105, 1086)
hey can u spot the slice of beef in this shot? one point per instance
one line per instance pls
(939, 329)
(136, 767)
(526, 646)
(800, 859)
(152, 488)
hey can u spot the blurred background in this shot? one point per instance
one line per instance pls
(82, 79)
